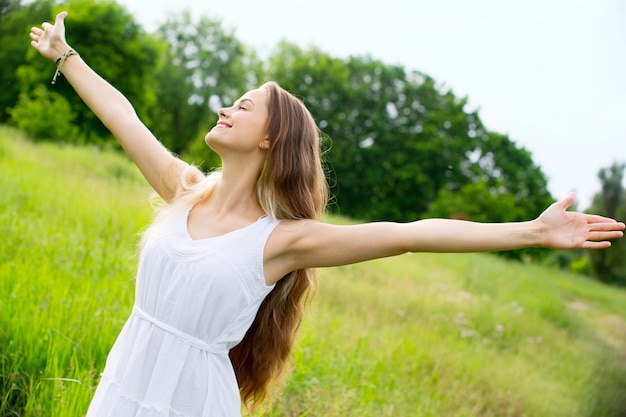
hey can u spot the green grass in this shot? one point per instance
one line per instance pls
(69, 219)
(416, 335)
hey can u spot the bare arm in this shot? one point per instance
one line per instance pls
(313, 244)
(158, 165)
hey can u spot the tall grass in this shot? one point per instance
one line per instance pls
(69, 219)
(416, 335)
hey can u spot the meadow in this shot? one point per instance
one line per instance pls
(448, 335)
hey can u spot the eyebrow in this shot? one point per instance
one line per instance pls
(244, 99)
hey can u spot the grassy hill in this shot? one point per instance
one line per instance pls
(416, 335)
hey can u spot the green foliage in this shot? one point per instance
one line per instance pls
(574, 261)
(417, 335)
(377, 117)
(116, 47)
(510, 169)
(46, 115)
(204, 67)
(476, 201)
(580, 266)
(6, 6)
(610, 265)
(15, 23)
(399, 140)
(612, 195)
(505, 185)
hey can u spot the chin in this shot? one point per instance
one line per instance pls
(209, 138)
(211, 143)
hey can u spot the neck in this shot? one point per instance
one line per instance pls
(236, 192)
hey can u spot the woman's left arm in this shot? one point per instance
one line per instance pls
(315, 244)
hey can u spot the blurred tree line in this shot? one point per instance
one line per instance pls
(610, 265)
(399, 146)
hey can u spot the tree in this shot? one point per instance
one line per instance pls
(15, 23)
(205, 67)
(398, 140)
(612, 195)
(54, 116)
(8, 5)
(477, 201)
(609, 265)
(511, 170)
(504, 185)
(374, 115)
(110, 40)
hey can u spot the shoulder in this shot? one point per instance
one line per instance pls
(297, 237)
(283, 246)
(288, 234)
(291, 235)
(293, 242)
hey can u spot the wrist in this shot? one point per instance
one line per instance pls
(59, 51)
(60, 61)
(57, 48)
(535, 233)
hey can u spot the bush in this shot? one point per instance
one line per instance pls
(46, 115)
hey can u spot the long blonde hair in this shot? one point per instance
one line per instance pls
(292, 185)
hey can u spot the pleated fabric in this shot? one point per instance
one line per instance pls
(194, 301)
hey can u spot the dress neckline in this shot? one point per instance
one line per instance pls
(213, 238)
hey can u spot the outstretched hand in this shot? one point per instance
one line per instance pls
(562, 229)
(49, 40)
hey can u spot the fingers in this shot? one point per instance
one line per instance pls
(605, 224)
(595, 218)
(604, 235)
(60, 18)
(601, 231)
(34, 35)
(596, 245)
(48, 33)
(567, 202)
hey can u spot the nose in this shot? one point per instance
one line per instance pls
(223, 112)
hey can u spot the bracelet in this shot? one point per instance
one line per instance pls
(60, 63)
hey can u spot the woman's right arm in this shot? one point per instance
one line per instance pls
(160, 168)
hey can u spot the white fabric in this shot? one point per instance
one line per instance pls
(195, 300)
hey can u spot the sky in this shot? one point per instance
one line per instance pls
(551, 74)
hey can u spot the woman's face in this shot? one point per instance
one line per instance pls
(242, 127)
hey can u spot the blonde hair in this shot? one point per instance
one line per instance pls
(291, 185)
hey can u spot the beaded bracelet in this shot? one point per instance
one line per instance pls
(60, 63)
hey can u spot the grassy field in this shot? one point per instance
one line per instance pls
(417, 335)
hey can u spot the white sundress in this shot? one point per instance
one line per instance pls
(194, 301)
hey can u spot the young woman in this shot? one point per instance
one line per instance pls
(227, 264)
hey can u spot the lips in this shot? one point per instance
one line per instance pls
(222, 124)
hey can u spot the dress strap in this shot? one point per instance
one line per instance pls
(190, 340)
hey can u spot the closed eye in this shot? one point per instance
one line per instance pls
(244, 104)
